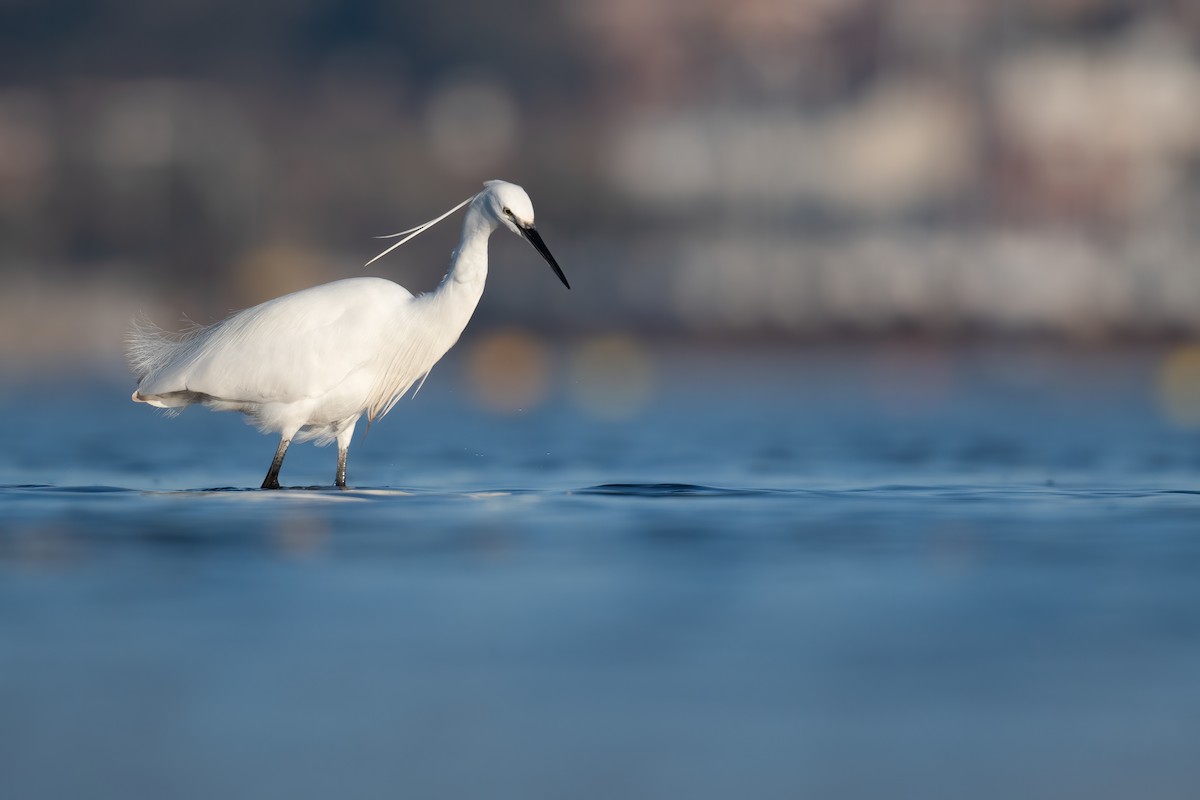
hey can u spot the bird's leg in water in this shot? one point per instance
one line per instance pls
(272, 479)
(340, 481)
(344, 435)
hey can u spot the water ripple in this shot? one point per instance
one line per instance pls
(1000, 492)
(668, 490)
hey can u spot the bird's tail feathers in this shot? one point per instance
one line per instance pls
(148, 347)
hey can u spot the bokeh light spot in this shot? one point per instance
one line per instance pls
(1179, 386)
(301, 535)
(508, 371)
(472, 126)
(612, 377)
(275, 269)
(911, 380)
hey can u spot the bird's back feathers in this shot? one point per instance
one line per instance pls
(291, 349)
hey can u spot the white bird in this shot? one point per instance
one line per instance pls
(308, 365)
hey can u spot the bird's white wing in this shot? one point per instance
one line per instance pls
(291, 348)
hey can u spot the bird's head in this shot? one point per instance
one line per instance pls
(509, 205)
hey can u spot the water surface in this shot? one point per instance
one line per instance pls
(791, 573)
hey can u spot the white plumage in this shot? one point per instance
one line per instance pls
(308, 365)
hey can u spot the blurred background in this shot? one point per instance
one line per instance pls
(782, 170)
(860, 461)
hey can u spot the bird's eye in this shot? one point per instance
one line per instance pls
(507, 212)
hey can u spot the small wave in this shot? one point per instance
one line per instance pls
(666, 490)
(51, 489)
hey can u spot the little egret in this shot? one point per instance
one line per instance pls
(308, 365)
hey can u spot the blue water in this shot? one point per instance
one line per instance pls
(810, 573)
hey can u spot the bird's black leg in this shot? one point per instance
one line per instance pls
(272, 479)
(340, 481)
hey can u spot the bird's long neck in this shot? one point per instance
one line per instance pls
(459, 292)
(468, 265)
(437, 318)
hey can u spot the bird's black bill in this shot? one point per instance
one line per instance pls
(535, 239)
